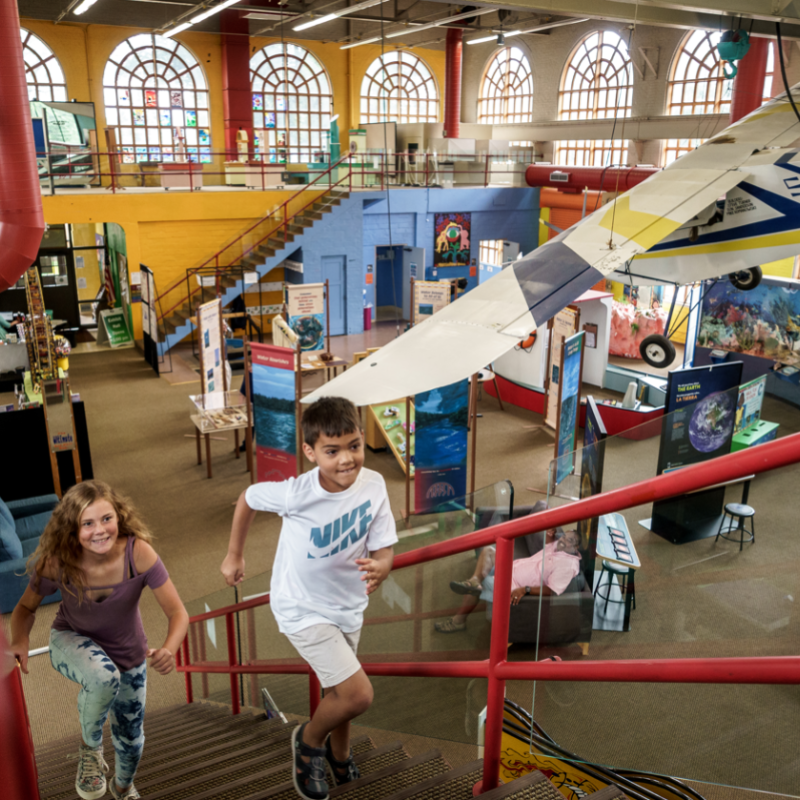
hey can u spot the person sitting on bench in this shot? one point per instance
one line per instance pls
(548, 571)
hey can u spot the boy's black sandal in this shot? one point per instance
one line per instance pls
(308, 776)
(343, 771)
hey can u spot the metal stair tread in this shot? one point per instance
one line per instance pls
(466, 774)
(533, 786)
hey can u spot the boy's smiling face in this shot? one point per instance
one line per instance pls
(339, 459)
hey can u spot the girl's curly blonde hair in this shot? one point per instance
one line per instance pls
(59, 543)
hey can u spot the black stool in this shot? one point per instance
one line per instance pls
(740, 512)
(626, 584)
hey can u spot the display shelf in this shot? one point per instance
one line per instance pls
(221, 411)
(378, 437)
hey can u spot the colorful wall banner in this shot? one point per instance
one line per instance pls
(700, 414)
(748, 406)
(440, 445)
(305, 305)
(592, 460)
(274, 410)
(429, 297)
(451, 240)
(565, 324)
(568, 406)
(212, 374)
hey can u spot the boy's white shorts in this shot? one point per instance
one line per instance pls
(329, 651)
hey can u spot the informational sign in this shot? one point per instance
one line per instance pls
(149, 317)
(699, 415)
(429, 297)
(569, 401)
(440, 442)
(212, 359)
(748, 406)
(592, 458)
(305, 305)
(58, 409)
(274, 407)
(451, 243)
(564, 325)
(113, 330)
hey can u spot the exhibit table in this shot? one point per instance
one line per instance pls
(614, 544)
(312, 361)
(260, 175)
(175, 175)
(218, 412)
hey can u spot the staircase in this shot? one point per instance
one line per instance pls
(201, 752)
(264, 246)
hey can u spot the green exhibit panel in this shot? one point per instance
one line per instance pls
(387, 427)
(762, 431)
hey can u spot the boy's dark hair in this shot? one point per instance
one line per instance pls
(333, 416)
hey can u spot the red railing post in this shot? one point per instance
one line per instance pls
(314, 692)
(187, 675)
(230, 629)
(498, 651)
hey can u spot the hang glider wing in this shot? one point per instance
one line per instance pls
(489, 320)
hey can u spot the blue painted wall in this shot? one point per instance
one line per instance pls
(363, 223)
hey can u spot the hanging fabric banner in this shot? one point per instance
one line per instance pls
(440, 445)
(274, 404)
(305, 304)
(569, 400)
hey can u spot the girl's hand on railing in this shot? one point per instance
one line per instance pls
(20, 651)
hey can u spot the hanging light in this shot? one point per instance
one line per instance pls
(501, 39)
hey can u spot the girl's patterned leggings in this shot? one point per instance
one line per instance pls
(104, 688)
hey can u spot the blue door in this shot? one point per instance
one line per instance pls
(333, 272)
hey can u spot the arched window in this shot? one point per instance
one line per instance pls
(156, 95)
(697, 83)
(292, 102)
(399, 87)
(42, 70)
(506, 93)
(597, 81)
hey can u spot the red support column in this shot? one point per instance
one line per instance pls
(452, 83)
(748, 85)
(236, 101)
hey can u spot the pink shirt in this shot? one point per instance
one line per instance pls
(560, 567)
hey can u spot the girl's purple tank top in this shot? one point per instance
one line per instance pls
(114, 623)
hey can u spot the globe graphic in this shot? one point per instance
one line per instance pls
(711, 422)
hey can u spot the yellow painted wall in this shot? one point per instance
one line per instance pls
(84, 49)
(83, 236)
(170, 233)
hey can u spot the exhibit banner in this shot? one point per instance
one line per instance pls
(430, 297)
(451, 240)
(569, 400)
(562, 326)
(592, 459)
(748, 406)
(212, 359)
(700, 413)
(149, 318)
(305, 306)
(440, 445)
(764, 321)
(274, 408)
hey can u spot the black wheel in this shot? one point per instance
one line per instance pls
(657, 351)
(746, 279)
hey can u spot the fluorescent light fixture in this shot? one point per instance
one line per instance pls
(493, 37)
(209, 12)
(178, 29)
(359, 43)
(86, 4)
(439, 22)
(336, 14)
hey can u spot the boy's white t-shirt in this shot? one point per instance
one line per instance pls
(315, 579)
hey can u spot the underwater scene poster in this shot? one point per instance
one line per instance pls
(763, 322)
(274, 412)
(305, 304)
(440, 445)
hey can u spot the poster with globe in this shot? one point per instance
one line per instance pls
(440, 445)
(592, 459)
(451, 240)
(700, 414)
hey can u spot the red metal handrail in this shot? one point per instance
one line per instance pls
(748, 670)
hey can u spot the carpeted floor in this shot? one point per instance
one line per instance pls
(700, 599)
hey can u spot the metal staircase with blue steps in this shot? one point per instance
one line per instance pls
(178, 323)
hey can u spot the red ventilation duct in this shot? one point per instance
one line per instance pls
(21, 216)
(452, 80)
(748, 85)
(576, 179)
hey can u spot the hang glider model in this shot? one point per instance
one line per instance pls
(721, 210)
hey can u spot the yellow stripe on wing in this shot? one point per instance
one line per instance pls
(643, 228)
(750, 243)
